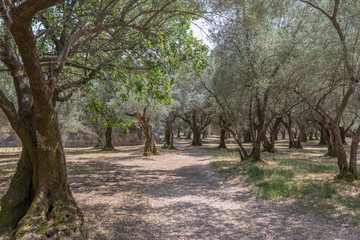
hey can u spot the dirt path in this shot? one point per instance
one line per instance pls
(187, 200)
(177, 196)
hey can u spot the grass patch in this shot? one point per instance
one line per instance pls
(226, 155)
(280, 183)
(299, 176)
(307, 165)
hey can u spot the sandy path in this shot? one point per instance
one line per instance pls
(189, 201)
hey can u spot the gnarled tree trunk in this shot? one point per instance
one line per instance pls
(38, 202)
(169, 135)
(108, 140)
(150, 145)
(196, 141)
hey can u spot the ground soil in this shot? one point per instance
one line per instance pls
(178, 196)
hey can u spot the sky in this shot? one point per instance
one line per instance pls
(200, 29)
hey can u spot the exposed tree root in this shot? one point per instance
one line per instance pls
(60, 220)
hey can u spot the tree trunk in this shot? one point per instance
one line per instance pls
(150, 147)
(167, 140)
(343, 135)
(178, 133)
(108, 140)
(353, 153)
(266, 143)
(270, 146)
(204, 133)
(340, 152)
(169, 137)
(172, 141)
(227, 135)
(302, 135)
(311, 135)
(247, 136)
(290, 133)
(283, 134)
(18, 198)
(329, 138)
(256, 151)
(196, 137)
(222, 138)
(39, 192)
(323, 136)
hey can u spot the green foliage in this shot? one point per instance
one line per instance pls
(102, 111)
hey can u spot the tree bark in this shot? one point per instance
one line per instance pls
(288, 127)
(39, 192)
(256, 151)
(270, 146)
(108, 140)
(196, 141)
(18, 198)
(329, 138)
(167, 140)
(222, 138)
(343, 135)
(353, 153)
(323, 136)
(340, 152)
(38, 202)
(169, 136)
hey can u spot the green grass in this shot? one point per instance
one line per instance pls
(308, 165)
(280, 183)
(226, 155)
(282, 179)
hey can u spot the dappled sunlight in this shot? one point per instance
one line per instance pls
(125, 195)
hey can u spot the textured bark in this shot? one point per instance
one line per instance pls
(39, 192)
(329, 138)
(222, 138)
(288, 127)
(167, 140)
(343, 135)
(108, 140)
(353, 153)
(256, 151)
(169, 136)
(18, 198)
(196, 141)
(270, 145)
(340, 152)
